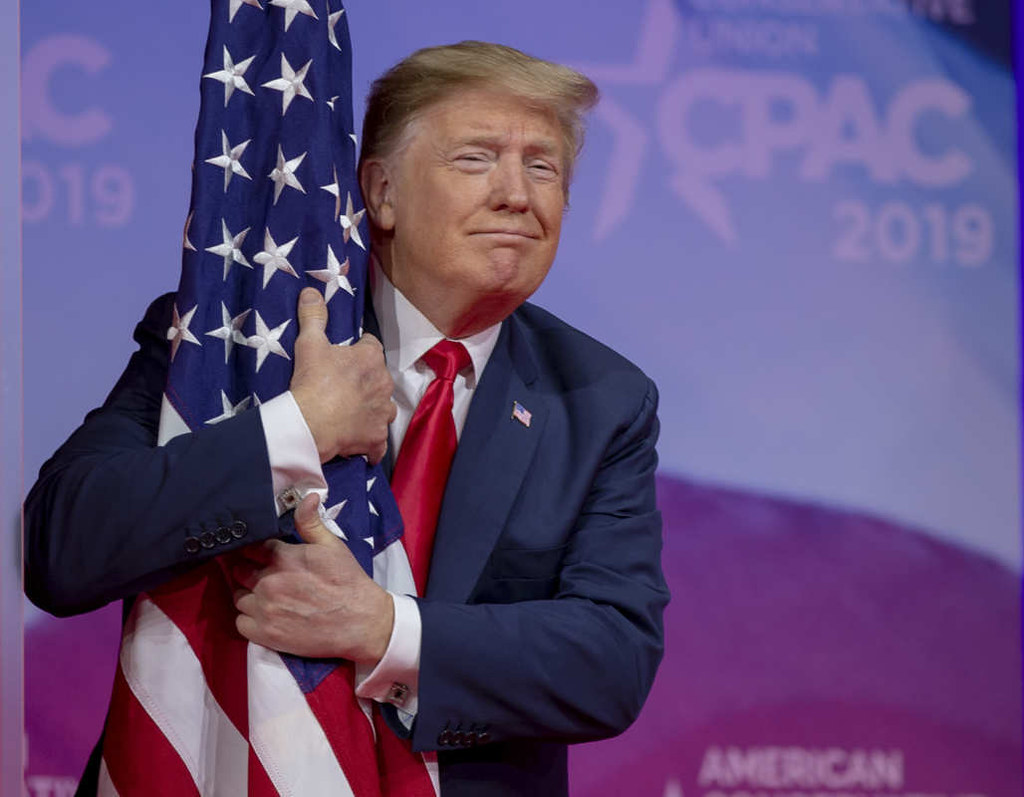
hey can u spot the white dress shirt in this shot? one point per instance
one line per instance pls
(295, 464)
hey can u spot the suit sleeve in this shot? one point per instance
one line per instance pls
(112, 514)
(574, 667)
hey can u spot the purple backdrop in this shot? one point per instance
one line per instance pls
(801, 218)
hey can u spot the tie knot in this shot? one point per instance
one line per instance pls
(446, 359)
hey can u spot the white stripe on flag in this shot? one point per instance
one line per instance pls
(391, 570)
(104, 786)
(171, 423)
(166, 678)
(285, 734)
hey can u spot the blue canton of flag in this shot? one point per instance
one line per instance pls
(275, 208)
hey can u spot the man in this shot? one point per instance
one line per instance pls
(541, 619)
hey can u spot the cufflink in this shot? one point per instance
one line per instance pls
(397, 694)
(289, 498)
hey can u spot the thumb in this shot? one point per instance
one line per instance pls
(312, 313)
(309, 525)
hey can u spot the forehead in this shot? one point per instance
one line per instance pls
(488, 116)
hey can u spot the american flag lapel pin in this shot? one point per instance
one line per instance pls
(521, 414)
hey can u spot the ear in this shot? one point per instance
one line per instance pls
(375, 182)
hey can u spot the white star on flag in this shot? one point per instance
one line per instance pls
(350, 222)
(231, 76)
(284, 173)
(290, 83)
(332, 20)
(369, 503)
(267, 341)
(334, 276)
(293, 7)
(274, 258)
(237, 4)
(231, 331)
(229, 161)
(230, 249)
(230, 410)
(185, 242)
(333, 511)
(334, 189)
(179, 331)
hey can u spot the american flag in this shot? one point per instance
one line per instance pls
(275, 207)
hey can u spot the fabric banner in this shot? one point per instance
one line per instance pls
(800, 217)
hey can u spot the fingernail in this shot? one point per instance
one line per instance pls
(309, 296)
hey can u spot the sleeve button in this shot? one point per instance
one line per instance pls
(191, 545)
(207, 539)
(483, 737)
(223, 535)
(238, 529)
(444, 738)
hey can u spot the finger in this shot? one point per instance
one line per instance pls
(261, 553)
(245, 575)
(245, 603)
(312, 313)
(247, 627)
(309, 525)
(376, 454)
(369, 339)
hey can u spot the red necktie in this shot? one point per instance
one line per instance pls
(421, 470)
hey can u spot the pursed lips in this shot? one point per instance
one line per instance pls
(507, 233)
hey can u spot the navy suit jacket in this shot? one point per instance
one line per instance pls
(542, 619)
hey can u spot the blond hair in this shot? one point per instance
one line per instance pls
(432, 74)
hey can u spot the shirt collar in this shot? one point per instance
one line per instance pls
(407, 334)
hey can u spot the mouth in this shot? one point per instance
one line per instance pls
(509, 234)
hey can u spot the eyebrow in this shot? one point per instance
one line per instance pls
(545, 146)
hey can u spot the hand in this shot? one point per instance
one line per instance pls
(343, 392)
(311, 599)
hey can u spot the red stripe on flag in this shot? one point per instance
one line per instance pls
(200, 604)
(140, 760)
(259, 780)
(402, 772)
(336, 708)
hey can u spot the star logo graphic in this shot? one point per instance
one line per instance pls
(334, 276)
(179, 331)
(230, 248)
(229, 159)
(229, 410)
(231, 76)
(660, 29)
(237, 4)
(231, 330)
(267, 341)
(293, 7)
(290, 84)
(350, 222)
(274, 258)
(284, 174)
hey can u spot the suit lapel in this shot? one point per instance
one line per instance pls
(490, 463)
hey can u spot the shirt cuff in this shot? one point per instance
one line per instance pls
(294, 461)
(395, 679)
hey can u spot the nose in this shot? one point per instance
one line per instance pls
(510, 189)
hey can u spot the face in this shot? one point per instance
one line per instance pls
(469, 211)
